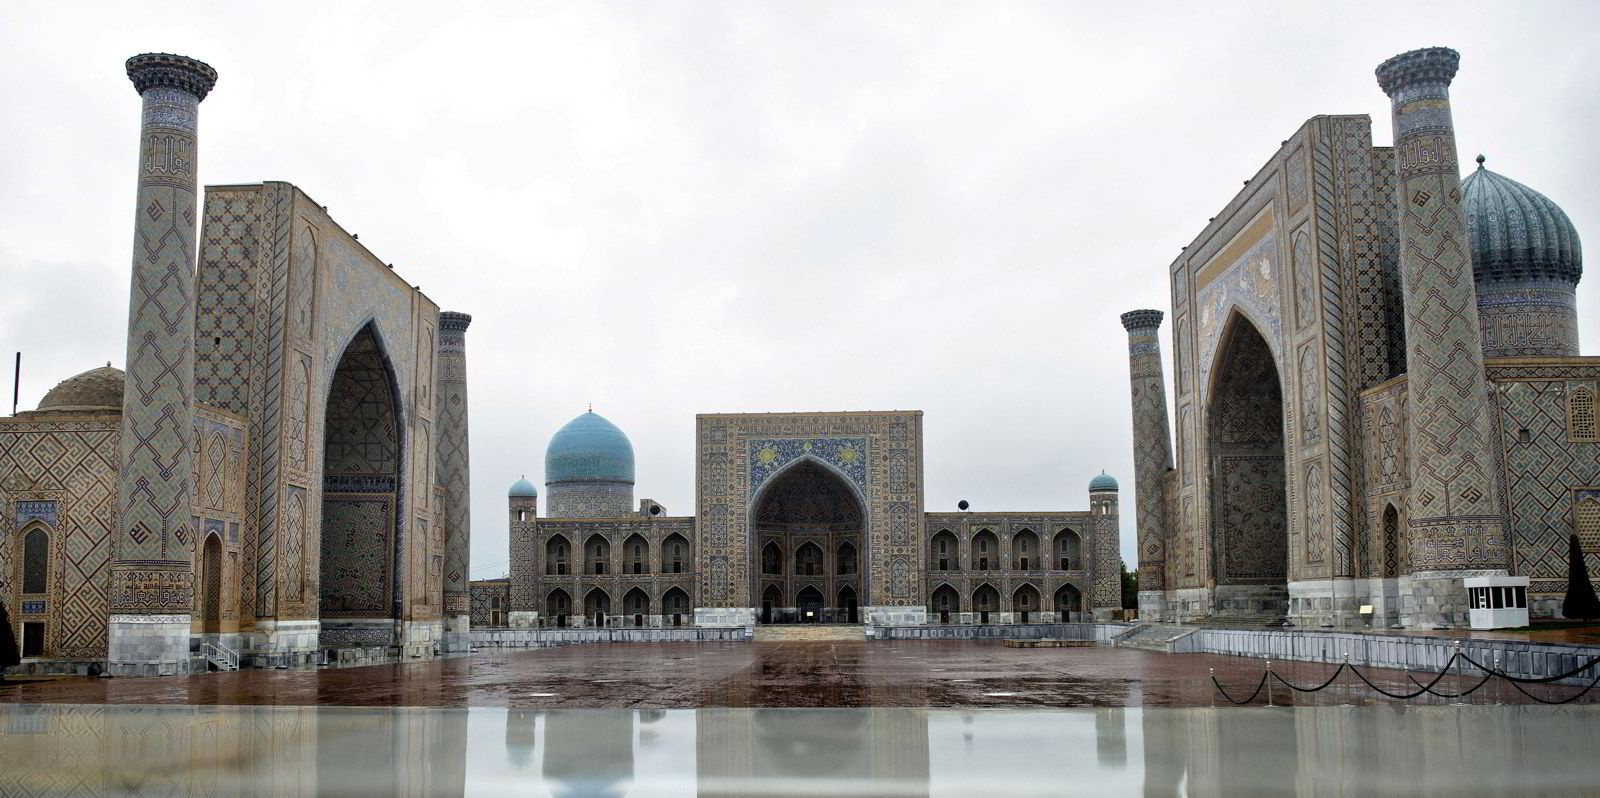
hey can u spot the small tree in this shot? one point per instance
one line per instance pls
(1581, 601)
(9, 653)
(1130, 589)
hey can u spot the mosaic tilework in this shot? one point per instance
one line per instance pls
(454, 460)
(1152, 455)
(1453, 492)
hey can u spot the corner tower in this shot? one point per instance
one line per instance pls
(1152, 454)
(1455, 514)
(152, 570)
(588, 470)
(453, 468)
(1107, 526)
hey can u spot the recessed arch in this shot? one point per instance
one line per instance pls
(557, 555)
(1391, 542)
(1068, 550)
(808, 560)
(985, 600)
(597, 555)
(847, 605)
(596, 606)
(675, 554)
(809, 603)
(845, 560)
(1025, 550)
(813, 517)
(363, 495)
(557, 607)
(1025, 602)
(1245, 438)
(636, 603)
(772, 558)
(985, 550)
(945, 603)
(1069, 602)
(210, 584)
(35, 560)
(944, 551)
(636, 553)
(675, 607)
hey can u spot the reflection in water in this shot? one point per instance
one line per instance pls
(60, 749)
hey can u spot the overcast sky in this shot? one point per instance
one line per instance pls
(677, 208)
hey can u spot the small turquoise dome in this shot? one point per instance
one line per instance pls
(523, 489)
(1102, 482)
(589, 449)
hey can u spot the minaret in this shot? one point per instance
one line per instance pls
(454, 468)
(1152, 455)
(152, 579)
(522, 501)
(1455, 516)
(1107, 524)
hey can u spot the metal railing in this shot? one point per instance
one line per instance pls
(220, 655)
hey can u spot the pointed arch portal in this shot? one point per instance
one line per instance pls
(808, 524)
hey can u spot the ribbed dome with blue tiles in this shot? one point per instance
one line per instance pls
(523, 489)
(1517, 232)
(1103, 482)
(588, 470)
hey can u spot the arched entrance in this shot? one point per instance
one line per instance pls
(1250, 535)
(597, 607)
(361, 498)
(985, 600)
(1069, 602)
(946, 604)
(675, 607)
(557, 606)
(1025, 603)
(637, 605)
(807, 524)
(211, 585)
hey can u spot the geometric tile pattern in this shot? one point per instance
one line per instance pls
(1152, 452)
(454, 460)
(1542, 470)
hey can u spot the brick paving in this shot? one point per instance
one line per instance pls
(702, 675)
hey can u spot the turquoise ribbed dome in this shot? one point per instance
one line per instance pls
(589, 449)
(523, 489)
(1103, 482)
(1517, 233)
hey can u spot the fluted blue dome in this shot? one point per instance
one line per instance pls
(523, 489)
(588, 449)
(1517, 233)
(1103, 482)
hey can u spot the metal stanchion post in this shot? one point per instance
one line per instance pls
(1457, 656)
(1269, 682)
(1213, 688)
(1497, 679)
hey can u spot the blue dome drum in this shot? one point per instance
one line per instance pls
(1102, 482)
(588, 470)
(1526, 263)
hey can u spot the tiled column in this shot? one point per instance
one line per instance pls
(454, 468)
(1152, 455)
(1455, 516)
(152, 582)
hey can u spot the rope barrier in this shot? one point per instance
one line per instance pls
(1429, 688)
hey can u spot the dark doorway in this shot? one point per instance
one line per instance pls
(32, 639)
(847, 605)
(807, 522)
(810, 604)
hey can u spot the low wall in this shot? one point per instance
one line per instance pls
(1098, 632)
(1518, 658)
(544, 638)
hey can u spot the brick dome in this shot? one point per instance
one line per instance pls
(97, 390)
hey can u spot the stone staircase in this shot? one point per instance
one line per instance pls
(1154, 637)
(810, 633)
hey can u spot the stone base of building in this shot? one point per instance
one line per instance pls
(1334, 604)
(148, 645)
(421, 639)
(895, 616)
(284, 643)
(1438, 598)
(725, 616)
(1153, 607)
(356, 633)
(522, 619)
(1250, 601)
(459, 624)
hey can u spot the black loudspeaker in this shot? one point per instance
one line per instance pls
(962, 505)
(655, 509)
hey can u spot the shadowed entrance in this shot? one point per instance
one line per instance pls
(808, 526)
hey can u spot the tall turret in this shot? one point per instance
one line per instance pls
(152, 578)
(454, 468)
(1455, 513)
(1152, 454)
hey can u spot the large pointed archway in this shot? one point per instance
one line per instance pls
(1249, 502)
(808, 524)
(361, 498)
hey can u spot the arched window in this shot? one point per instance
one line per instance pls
(637, 604)
(1024, 550)
(1581, 425)
(808, 560)
(946, 603)
(36, 561)
(771, 558)
(984, 601)
(944, 551)
(1068, 601)
(555, 556)
(557, 606)
(1025, 602)
(985, 551)
(1068, 551)
(597, 606)
(677, 550)
(638, 554)
(675, 605)
(847, 558)
(597, 553)
(1391, 542)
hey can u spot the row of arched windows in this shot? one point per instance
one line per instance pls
(808, 560)
(1065, 553)
(945, 602)
(636, 605)
(558, 560)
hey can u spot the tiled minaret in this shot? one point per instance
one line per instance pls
(1152, 455)
(1455, 516)
(152, 581)
(453, 467)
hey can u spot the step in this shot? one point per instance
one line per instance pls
(809, 633)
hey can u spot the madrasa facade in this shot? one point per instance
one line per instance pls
(1378, 390)
(798, 518)
(281, 470)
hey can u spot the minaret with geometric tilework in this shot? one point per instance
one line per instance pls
(453, 468)
(1455, 514)
(1152, 455)
(152, 579)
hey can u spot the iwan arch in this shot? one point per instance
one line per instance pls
(1377, 389)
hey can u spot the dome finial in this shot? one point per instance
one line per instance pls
(591, 407)
(1481, 159)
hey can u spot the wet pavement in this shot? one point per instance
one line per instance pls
(710, 675)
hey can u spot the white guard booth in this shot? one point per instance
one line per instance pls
(1497, 602)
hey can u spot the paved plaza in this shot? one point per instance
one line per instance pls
(769, 675)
